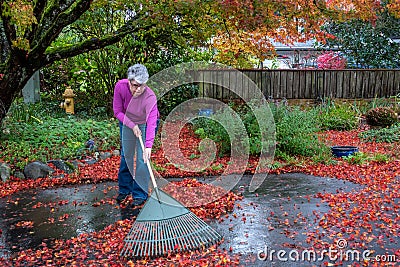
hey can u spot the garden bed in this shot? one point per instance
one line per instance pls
(355, 215)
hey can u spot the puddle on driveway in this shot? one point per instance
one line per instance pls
(265, 219)
(59, 213)
(260, 221)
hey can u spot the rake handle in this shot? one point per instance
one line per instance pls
(153, 180)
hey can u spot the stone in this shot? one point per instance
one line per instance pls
(77, 164)
(90, 161)
(19, 175)
(62, 165)
(37, 169)
(105, 155)
(5, 171)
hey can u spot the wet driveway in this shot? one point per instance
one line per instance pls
(276, 216)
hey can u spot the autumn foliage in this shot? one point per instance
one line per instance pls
(250, 27)
(331, 60)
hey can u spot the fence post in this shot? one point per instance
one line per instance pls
(31, 90)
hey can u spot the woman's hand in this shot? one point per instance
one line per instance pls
(146, 154)
(136, 131)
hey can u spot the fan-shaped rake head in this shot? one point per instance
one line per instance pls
(164, 226)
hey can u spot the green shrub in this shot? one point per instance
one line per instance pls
(32, 112)
(296, 133)
(381, 116)
(342, 118)
(379, 157)
(175, 97)
(222, 123)
(218, 127)
(358, 158)
(361, 158)
(389, 135)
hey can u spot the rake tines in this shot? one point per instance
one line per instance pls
(172, 228)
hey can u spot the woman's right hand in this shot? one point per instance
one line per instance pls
(137, 131)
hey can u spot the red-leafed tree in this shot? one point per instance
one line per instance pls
(331, 60)
(29, 29)
(250, 27)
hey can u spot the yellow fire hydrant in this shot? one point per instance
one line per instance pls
(68, 103)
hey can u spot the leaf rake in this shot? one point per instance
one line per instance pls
(164, 226)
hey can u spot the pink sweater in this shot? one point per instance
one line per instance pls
(131, 111)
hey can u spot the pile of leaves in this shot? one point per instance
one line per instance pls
(205, 200)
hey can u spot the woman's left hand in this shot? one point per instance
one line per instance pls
(146, 154)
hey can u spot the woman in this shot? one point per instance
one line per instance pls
(135, 106)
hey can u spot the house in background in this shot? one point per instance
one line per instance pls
(301, 55)
(296, 56)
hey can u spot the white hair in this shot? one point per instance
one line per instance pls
(138, 72)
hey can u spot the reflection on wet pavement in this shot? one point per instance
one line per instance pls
(277, 216)
(56, 214)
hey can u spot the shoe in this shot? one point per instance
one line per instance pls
(138, 201)
(122, 197)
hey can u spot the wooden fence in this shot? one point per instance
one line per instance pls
(299, 84)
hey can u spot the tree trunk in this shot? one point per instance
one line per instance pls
(10, 85)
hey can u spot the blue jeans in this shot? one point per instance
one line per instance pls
(132, 180)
